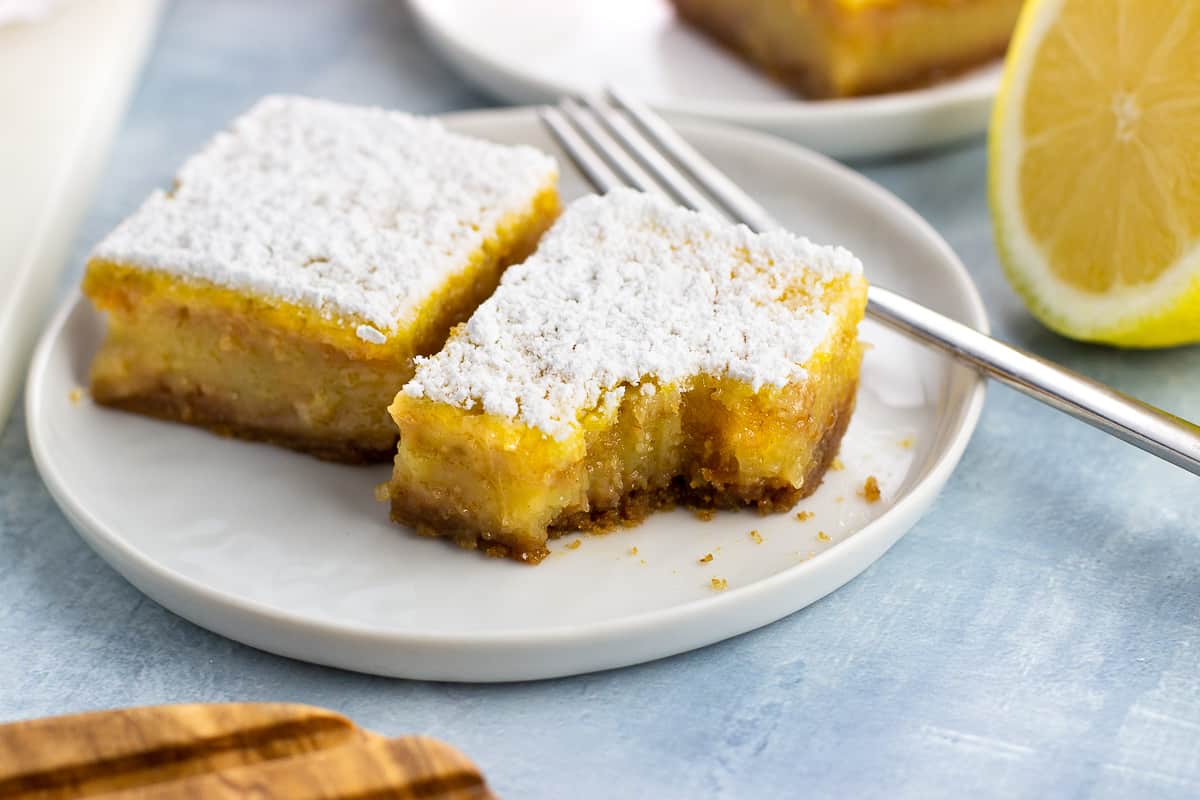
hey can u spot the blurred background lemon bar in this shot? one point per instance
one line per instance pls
(840, 48)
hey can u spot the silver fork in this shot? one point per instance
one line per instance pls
(617, 140)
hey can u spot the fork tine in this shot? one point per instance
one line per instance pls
(663, 170)
(602, 142)
(740, 205)
(602, 178)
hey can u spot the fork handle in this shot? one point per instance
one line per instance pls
(1142, 425)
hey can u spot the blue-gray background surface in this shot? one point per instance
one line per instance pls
(1038, 633)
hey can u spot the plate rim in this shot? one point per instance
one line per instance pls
(957, 91)
(936, 470)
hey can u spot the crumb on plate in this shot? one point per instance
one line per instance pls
(823, 536)
(719, 584)
(870, 490)
(804, 516)
(756, 536)
(706, 558)
(574, 545)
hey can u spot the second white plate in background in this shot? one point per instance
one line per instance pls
(534, 51)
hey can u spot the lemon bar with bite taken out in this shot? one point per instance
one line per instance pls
(644, 355)
(281, 289)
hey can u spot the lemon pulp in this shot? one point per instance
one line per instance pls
(1096, 168)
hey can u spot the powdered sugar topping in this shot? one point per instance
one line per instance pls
(359, 213)
(626, 288)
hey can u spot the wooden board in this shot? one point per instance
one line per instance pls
(225, 751)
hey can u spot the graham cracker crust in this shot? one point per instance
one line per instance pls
(214, 416)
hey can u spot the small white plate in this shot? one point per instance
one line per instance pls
(293, 555)
(534, 51)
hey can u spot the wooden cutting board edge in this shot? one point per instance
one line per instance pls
(225, 751)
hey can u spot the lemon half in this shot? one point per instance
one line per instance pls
(1095, 168)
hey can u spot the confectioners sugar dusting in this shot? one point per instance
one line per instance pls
(357, 212)
(626, 287)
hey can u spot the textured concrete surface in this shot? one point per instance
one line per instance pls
(1037, 634)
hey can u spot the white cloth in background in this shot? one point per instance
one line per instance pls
(19, 11)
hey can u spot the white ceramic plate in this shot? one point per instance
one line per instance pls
(294, 555)
(534, 51)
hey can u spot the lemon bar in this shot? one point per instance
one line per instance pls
(644, 355)
(281, 289)
(840, 48)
